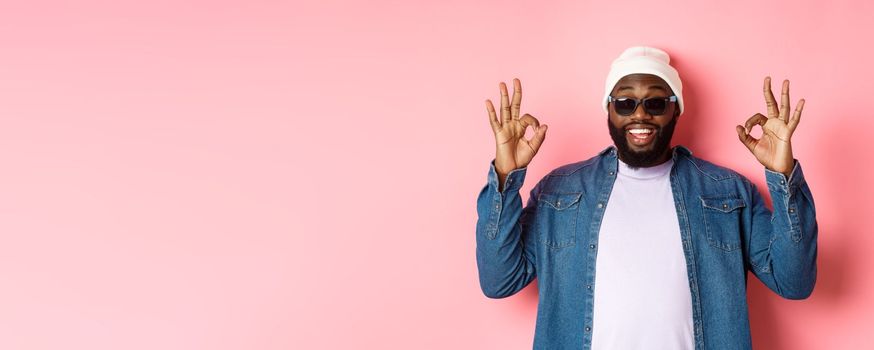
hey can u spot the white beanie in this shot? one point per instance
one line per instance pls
(644, 60)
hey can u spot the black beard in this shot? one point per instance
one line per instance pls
(642, 159)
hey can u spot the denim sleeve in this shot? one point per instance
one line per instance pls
(504, 244)
(782, 250)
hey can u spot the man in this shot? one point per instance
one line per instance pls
(644, 246)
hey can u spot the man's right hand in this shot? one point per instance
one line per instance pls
(513, 150)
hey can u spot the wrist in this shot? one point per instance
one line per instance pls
(785, 170)
(502, 168)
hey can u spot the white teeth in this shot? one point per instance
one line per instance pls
(640, 131)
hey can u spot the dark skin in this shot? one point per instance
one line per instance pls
(642, 86)
(773, 149)
(513, 150)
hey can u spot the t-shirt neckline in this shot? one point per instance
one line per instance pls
(652, 172)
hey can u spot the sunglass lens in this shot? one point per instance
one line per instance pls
(624, 106)
(655, 106)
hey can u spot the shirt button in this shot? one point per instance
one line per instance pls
(611, 173)
(588, 329)
(791, 210)
(782, 182)
(588, 286)
(592, 246)
(600, 205)
(558, 203)
(725, 206)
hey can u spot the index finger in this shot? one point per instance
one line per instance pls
(528, 119)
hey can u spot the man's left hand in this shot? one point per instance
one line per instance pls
(774, 148)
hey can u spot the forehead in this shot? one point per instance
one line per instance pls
(641, 82)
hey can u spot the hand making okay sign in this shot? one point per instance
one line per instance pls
(774, 148)
(513, 150)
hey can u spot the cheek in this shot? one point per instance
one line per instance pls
(614, 120)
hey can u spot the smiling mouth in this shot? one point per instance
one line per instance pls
(640, 136)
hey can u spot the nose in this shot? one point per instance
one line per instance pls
(640, 113)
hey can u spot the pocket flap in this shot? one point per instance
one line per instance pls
(723, 204)
(560, 201)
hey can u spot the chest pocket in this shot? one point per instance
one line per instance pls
(556, 218)
(722, 216)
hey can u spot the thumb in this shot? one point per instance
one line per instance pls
(539, 136)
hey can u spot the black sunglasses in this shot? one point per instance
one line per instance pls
(653, 106)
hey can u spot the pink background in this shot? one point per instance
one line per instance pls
(303, 175)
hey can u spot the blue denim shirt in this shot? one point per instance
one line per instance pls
(726, 230)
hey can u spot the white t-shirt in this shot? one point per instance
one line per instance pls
(642, 297)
